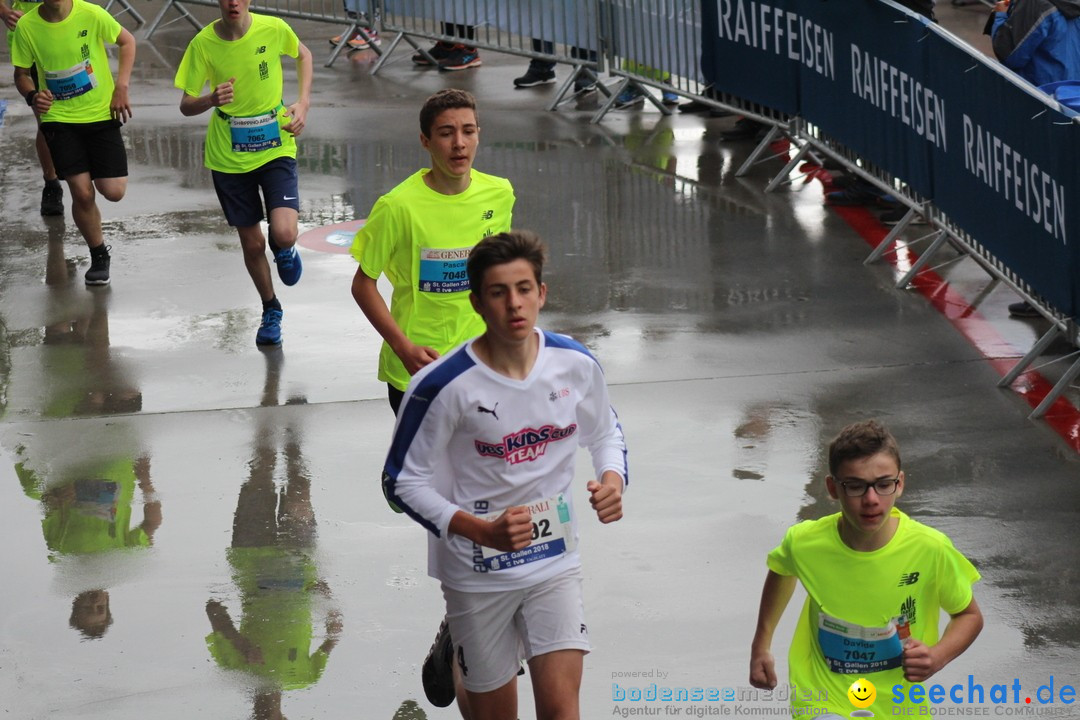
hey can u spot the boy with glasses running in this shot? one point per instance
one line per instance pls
(876, 582)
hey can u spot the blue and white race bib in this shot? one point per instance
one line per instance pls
(71, 83)
(443, 270)
(851, 649)
(252, 134)
(552, 535)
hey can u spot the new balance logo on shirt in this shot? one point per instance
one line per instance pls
(908, 579)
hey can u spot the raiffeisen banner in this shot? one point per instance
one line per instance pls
(997, 156)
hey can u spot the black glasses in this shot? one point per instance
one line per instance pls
(858, 488)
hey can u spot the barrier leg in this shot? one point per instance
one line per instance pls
(564, 95)
(1036, 350)
(885, 244)
(615, 92)
(393, 44)
(941, 239)
(564, 90)
(127, 8)
(664, 109)
(184, 15)
(1061, 386)
(345, 37)
(791, 165)
(761, 147)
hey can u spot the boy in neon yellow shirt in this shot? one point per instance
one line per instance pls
(250, 145)
(79, 105)
(876, 582)
(419, 234)
(52, 195)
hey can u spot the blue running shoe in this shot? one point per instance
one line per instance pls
(289, 266)
(270, 328)
(628, 98)
(669, 98)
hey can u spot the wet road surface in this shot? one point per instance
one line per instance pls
(194, 528)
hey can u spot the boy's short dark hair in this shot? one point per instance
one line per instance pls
(861, 440)
(503, 248)
(448, 99)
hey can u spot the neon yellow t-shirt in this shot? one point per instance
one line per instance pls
(277, 587)
(856, 599)
(421, 239)
(71, 60)
(24, 6)
(92, 513)
(248, 137)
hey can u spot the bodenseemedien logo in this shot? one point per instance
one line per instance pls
(862, 695)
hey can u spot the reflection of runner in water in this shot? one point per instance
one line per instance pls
(273, 568)
(83, 376)
(92, 514)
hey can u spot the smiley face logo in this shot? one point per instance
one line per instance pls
(862, 693)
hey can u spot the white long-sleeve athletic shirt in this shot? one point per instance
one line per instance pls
(468, 438)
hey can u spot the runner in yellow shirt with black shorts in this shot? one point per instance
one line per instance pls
(52, 195)
(79, 105)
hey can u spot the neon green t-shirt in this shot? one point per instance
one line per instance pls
(71, 60)
(24, 6)
(277, 587)
(856, 600)
(421, 239)
(246, 134)
(91, 513)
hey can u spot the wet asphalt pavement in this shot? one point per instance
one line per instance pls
(168, 488)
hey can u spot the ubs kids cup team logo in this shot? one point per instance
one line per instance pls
(524, 445)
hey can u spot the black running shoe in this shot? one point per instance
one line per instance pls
(437, 673)
(52, 199)
(439, 51)
(461, 57)
(1023, 309)
(537, 74)
(98, 274)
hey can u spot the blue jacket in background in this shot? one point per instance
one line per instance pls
(1039, 39)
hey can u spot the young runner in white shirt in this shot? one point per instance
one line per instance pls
(483, 457)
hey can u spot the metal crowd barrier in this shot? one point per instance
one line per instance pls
(656, 44)
(125, 8)
(568, 32)
(356, 16)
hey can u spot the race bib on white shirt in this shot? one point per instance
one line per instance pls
(71, 83)
(851, 649)
(552, 535)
